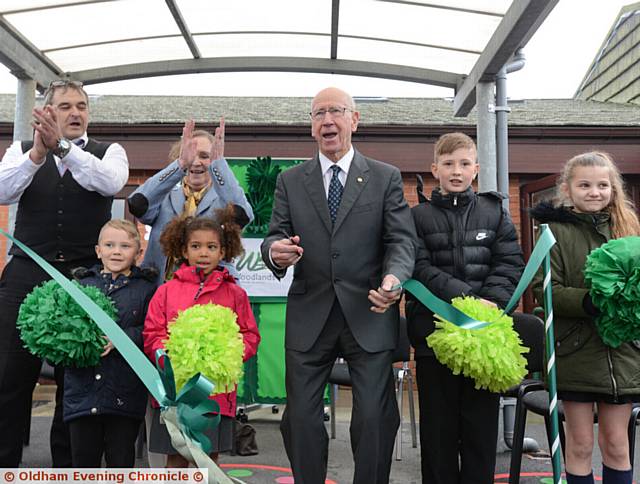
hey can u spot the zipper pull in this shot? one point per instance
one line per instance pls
(199, 291)
(455, 200)
(200, 273)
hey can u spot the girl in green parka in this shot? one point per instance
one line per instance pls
(590, 208)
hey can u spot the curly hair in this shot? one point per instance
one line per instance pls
(175, 236)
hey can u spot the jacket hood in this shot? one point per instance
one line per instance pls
(187, 273)
(546, 212)
(452, 199)
(148, 273)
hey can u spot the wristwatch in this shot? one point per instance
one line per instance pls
(62, 148)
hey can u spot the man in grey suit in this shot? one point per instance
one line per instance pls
(342, 221)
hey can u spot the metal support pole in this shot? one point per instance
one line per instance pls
(25, 102)
(22, 130)
(502, 135)
(502, 124)
(486, 135)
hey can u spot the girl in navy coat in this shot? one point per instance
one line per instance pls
(104, 405)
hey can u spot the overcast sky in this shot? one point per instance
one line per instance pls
(557, 59)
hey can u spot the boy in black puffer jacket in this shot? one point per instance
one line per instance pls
(468, 246)
(105, 405)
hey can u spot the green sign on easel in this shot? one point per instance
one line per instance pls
(263, 380)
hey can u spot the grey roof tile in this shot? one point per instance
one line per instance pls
(293, 111)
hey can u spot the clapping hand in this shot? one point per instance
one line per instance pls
(188, 145)
(46, 124)
(38, 152)
(217, 148)
(46, 133)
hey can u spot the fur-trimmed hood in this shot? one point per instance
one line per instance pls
(148, 273)
(546, 212)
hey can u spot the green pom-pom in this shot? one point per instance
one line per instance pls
(613, 273)
(491, 355)
(206, 339)
(53, 326)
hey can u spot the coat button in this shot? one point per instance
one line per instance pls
(98, 376)
(94, 410)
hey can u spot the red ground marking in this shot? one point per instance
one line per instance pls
(266, 468)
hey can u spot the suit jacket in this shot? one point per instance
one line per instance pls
(161, 198)
(373, 235)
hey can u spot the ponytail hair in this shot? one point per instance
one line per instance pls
(624, 220)
(176, 234)
(231, 232)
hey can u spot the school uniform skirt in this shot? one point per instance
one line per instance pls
(591, 397)
(160, 442)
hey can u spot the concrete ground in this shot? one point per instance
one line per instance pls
(271, 464)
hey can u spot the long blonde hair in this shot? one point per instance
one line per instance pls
(624, 220)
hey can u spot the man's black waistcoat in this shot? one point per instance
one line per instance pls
(58, 218)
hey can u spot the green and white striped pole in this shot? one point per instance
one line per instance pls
(551, 367)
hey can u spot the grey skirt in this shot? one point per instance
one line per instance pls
(160, 441)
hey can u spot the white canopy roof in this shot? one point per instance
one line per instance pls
(450, 43)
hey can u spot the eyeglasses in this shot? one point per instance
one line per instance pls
(64, 82)
(335, 112)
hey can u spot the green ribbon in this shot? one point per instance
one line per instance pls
(457, 317)
(189, 411)
(193, 406)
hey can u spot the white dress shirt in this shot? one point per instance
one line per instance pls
(327, 173)
(107, 176)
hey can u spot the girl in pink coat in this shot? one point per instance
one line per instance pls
(201, 243)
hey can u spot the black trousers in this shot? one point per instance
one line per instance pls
(113, 436)
(374, 418)
(458, 426)
(19, 370)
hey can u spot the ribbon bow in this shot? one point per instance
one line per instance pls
(192, 405)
